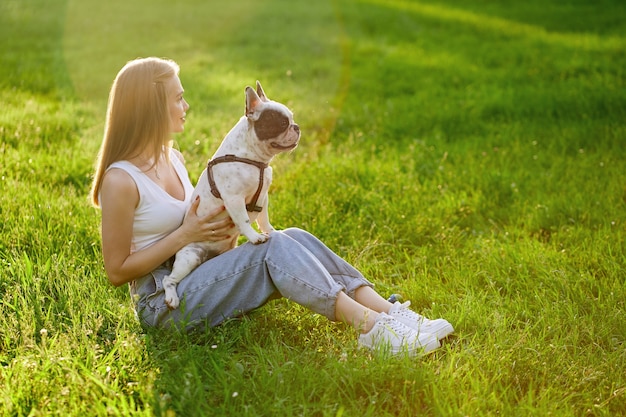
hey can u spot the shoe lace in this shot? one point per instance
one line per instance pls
(396, 327)
(404, 311)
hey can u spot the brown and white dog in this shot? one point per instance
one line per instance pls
(238, 177)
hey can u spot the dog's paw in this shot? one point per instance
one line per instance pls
(171, 298)
(172, 303)
(259, 238)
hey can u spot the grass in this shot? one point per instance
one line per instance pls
(468, 155)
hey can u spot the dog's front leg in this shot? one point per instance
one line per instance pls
(236, 207)
(264, 219)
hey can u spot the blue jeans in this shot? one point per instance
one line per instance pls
(293, 264)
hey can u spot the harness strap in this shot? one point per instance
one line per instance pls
(233, 158)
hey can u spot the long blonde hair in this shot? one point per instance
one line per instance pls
(137, 119)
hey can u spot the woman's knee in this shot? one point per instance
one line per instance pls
(296, 233)
(282, 239)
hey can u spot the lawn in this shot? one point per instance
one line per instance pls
(468, 155)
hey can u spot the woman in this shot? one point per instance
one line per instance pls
(143, 191)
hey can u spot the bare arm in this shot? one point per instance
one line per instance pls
(119, 198)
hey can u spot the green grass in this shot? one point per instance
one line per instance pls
(468, 155)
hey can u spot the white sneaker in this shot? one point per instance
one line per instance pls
(439, 327)
(388, 333)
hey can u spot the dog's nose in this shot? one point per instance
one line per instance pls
(296, 128)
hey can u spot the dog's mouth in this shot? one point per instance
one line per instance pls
(283, 147)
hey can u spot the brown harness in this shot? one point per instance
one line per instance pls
(232, 158)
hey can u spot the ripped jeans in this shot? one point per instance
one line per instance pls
(293, 264)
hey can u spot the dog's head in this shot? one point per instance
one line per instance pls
(271, 121)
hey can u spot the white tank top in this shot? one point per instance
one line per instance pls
(158, 214)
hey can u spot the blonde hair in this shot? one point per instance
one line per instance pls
(137, 117)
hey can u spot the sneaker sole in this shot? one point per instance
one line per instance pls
(429, 346)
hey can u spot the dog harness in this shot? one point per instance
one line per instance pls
(233, 158)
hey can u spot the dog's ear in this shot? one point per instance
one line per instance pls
(252, 102)
(260, 92)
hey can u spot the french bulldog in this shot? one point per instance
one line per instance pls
(238, 177)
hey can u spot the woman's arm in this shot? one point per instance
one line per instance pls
(119, 198)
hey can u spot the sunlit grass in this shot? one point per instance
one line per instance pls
(466, 155)
(497, 26)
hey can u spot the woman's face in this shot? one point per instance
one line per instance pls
(177, 104)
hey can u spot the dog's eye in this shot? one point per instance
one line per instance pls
(271, 123)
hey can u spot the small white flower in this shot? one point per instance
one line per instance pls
(235, 394)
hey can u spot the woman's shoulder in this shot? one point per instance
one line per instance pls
(119, 178)
(118, 182)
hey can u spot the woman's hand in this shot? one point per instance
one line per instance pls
(212, 227)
